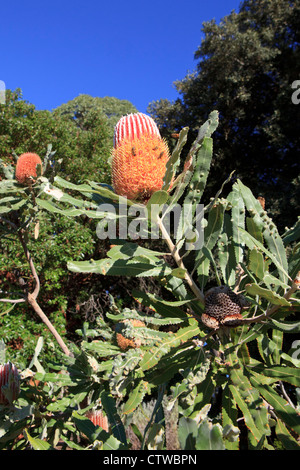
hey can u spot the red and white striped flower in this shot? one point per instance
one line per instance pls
(98, 419)
(9, 383)
(134, 126)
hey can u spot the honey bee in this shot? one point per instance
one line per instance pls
(133, 151)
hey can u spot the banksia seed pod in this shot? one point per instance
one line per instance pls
(139, 158)
(26, 167)
(223, 308)
(134, 126)
(9, 383)
(98, 419)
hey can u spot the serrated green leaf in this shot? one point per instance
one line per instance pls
(211, 234)
(238, 221)
(229, 416)
(102, 348)
(209, 437)
(161, 308)
(257, 263)
(285, 437)
(251, 242)
(268, 228)
(286, 327)
(119, 267)
(226, 252)
(136, 396)
(131, 250)
(154, 354)
(37, 444)
(254, 229)
(174, 160)
(110, 409)
(250, 403)
(281, 407)
(292, 234)
(290, 375)
(187, 433)
(11, 186)
(275, 299)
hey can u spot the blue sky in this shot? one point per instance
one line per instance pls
(131, 49)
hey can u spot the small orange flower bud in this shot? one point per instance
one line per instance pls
(26, 167)
(9, 383)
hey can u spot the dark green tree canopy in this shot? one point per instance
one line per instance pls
(80, 131)
(246, 67)
(82, 109)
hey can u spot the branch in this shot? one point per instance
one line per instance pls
(30, 262)
(175, 253)
(31, 298)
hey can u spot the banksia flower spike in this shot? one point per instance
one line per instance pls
(9, 383)
(139, 157)
(98, 419)
(26, 167)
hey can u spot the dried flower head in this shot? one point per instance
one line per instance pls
(26, 167)
(139, 157)
(9, 383)
(124, 342)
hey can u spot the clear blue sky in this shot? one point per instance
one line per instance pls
(130, 49)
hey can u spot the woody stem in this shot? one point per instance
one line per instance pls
(175, 253)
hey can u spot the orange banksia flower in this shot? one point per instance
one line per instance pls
(139, 157)
(26, 167)
(9, 383)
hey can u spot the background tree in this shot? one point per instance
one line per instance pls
(81, 134)
(246, 66)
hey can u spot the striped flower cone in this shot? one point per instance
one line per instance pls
(9, 383)
(134, 126)
(139, 157)
(98, 419)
